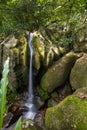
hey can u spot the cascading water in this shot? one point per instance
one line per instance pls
(30, 114)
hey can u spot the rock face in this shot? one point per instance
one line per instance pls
(70, 114)
(16, 50)
(78, 76)
(57, 74)
(47, 50)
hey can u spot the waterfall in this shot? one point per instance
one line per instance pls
(30, 114)
(30, 86)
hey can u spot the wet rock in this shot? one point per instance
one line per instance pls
(30, 125)
(57, 74)
(40, 103)
(70, 114)
(78, 76)
(39, 118)
(17, 107)
(8, 117)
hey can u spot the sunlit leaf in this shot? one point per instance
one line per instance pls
(18, 125)
(3, 90)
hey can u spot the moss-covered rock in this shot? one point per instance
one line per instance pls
(70, 114)
(16, 49)
(58, 73)
(38, 42)
(47, 50)
(78, 76)
(36, 60)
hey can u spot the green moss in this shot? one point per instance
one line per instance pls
(54, 95)
(44, 95)
(23, 49)
(70, 114)
(36, 60)
(25, 54)
(78, 76)
(39, 45)
(58, 73)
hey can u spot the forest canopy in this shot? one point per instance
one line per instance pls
(18, 15)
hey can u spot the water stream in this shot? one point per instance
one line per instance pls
(30, 114)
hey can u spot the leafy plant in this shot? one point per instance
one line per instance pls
(3, 90)
(18, 125)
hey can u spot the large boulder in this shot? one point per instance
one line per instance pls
(78, 76)
(57, 74)
(70, 114)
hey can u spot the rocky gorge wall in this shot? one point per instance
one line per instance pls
(60, 73)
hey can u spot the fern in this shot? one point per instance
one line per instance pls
(3, 90)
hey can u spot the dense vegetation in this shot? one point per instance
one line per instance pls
(18, 15)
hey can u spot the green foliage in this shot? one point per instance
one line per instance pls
(3, 90)
(18, 125)
(17, 15)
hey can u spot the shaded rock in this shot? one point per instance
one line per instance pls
(8, 117)
(43, 94)
(52, 103)
(65, 91)
(70, 114)
(82, 34)
(59, 95)
(80, 42)
(78, 76)
(40, 103)
(57, 74)
(80, 47)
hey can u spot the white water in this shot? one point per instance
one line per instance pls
(30, 114)
(30, 87)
